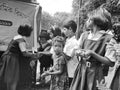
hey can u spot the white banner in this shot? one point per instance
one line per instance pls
(16, 13)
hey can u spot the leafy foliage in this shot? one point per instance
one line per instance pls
(113, 6)
(87, 6)
(46, 20)
(59, 18)
(94, 4)
(116, 29)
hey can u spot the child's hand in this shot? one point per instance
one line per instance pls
(80, 52)
(102, 85)
(39, 54)
(84, 53)
(45, 74)
(87, 53)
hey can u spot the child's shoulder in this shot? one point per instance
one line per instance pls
(66, 57)
(62, 59)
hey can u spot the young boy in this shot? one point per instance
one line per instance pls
(45, 60)
(70, 45)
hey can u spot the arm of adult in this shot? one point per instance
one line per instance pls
(23, 49)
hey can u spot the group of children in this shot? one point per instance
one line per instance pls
(74, 64)
(96, 49)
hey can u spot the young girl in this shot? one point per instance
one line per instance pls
(59, 76)
(92, 51)
(113, 79)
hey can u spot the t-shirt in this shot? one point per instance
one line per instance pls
(70, 45)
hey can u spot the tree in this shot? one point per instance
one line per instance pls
(46, 20)
(81, 13)
(60, 18)
(113, 6)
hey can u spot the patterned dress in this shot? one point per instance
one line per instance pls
(60, 81)
(88, 72)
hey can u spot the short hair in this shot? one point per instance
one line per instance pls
(25, 30)
(51, 30)
(44, 34)
(56, 31)
(58, 39)
(101, 24)
(71, 24)
(101, 18)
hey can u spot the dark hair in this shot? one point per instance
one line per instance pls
(45, 35)
(51, 30)
(101, 18)
(102, 24)
(71, 24)
(25, 30)
(56, 31)
(58, 39)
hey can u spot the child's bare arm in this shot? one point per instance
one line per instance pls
(55, 72)
(59, 70)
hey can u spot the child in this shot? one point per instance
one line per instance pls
(71, 44)
(59, 76)
(45, 60)
(113, 78)
(93, 56)
(53, 32)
